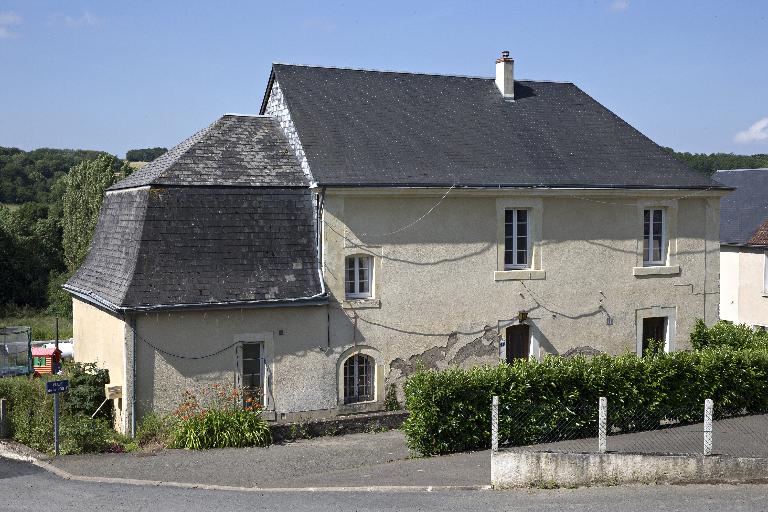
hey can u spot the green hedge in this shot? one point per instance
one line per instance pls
(450, 410)
(30, 410)
(727, 334)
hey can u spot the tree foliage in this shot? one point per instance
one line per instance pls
(27, 176)
(86, 184)
(144, 155)
(712, 162)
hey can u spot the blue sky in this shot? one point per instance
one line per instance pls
(119, 75)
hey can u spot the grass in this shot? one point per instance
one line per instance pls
(43, 324)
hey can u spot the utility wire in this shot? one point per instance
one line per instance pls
(407, 226)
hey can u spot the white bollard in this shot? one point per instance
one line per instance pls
(495, 424)
(708, 426)
(602, 424)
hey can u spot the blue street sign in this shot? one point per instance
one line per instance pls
(56, 386)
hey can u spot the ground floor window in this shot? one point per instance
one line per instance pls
(358, 379)
(253, 373)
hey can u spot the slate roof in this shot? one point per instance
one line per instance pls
(236, 150)
(224, 218)
(376, 128)
(175, 246)
(743, 212)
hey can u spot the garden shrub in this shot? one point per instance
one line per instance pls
(450, 409)
(727, 334)
(86, 389)
(30, 410)
(219, 420)
(83, 434)
(154, 429)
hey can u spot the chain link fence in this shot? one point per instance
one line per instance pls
(584, 428)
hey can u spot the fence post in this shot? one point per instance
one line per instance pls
(3, 419)
(708, 426)
(495, 424)
(602, 424)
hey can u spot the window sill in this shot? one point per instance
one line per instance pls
(361, 303)
(519, 275)
(656, 271)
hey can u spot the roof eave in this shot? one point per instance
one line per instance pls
(92, 298)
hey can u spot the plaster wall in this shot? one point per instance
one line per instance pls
(301, 367)
(753, 298)
(100, 337)
(440, 298)
(729, 283)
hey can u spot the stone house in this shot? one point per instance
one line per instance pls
(744, 247)
(368, 222)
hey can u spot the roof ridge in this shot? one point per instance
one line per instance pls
(391, 71)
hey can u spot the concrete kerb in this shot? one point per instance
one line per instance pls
(10, 450)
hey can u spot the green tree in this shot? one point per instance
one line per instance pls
(85, 187)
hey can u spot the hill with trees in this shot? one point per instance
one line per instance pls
(712, 162)
(144, 155)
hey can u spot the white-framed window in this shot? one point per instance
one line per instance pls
(517, 239)
(358, 379)
(654, 237)
(252, 373)
(358, 274)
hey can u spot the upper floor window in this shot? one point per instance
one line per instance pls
(358, 271)
(654, 237)
(516, 239)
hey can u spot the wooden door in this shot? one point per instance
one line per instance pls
(518, 342)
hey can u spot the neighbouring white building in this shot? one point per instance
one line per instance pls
(744, 247)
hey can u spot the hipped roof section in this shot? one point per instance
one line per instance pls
(377, 128)
(234, 151)
(224, 219)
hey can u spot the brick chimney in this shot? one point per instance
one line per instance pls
(505, 76)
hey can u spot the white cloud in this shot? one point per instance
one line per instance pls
(84, 20)
(619, 5)
(757, 132)
(8, 20)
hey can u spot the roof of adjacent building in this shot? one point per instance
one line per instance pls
(377, 128)
(225, 218)
(236, 151)
(744, 212)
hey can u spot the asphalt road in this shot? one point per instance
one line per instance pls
(24, 487)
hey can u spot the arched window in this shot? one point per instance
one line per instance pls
(358, 379)
(357, 276)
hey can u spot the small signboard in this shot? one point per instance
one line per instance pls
(56, 386)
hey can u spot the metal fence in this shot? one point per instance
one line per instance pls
(15, 351)
(597, 427)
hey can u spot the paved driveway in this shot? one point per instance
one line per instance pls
(344, 461)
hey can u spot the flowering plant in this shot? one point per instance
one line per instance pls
(218, 417)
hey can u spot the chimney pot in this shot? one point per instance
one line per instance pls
(505, 77)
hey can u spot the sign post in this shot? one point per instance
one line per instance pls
(55, 387)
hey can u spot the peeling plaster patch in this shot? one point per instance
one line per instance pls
(483, 349)
(585, 350)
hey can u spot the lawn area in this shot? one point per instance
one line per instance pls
(43, 324)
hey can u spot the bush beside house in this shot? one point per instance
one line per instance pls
(450, 410)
